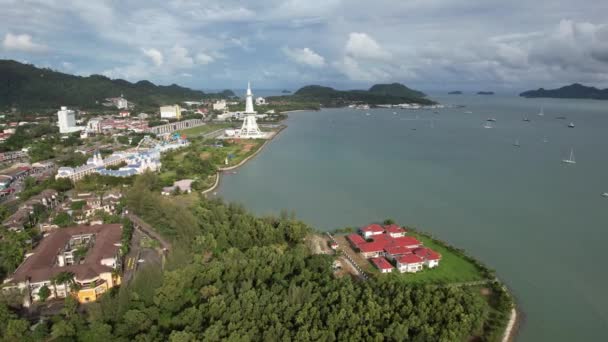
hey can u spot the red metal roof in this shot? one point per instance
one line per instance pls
(355, 239)
(382, 263)
(371, 247)
(409, 259)
(393, 228)
(407, 241)
(427, 253)
(397, 250)
(372, 228)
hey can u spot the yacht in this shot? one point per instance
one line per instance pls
(570, 160)
(571, 125)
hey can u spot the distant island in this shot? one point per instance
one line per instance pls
(455, 92)
(285, 91)
(30, 88)
(485, 93)
(316, 95)
(573, 91)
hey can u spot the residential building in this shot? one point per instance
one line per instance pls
(383, 265)
(260, 101)
(371, 230)
(90, 255)
(409, 263)
(171, 112)
(24, 215)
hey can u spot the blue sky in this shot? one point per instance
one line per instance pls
(426, 44)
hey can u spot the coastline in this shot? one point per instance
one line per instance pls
(218, 174)
(510, 330)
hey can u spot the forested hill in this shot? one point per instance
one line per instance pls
(573, 91)
(394, 93)
(27, 87)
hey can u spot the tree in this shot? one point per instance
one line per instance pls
(63, 219)
(44, 293)
(16, 330)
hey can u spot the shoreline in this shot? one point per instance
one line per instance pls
(511, 330)
(222, 169)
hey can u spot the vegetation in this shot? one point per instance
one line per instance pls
(573, 91)
(395, 93)
(30, 88)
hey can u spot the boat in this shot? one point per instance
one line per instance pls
(526, 119)
(516, 143)
(605, 194)
(468, 112)
(394, 113)
(545, 140)
(488, 125)
(491, 120)
(571, 125)
(570, 160)
(367, 114)
(542, 111)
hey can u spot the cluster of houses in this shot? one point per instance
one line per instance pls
(389, 247)
(80, 260)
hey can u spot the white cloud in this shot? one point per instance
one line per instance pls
(155, 55)
(361, 45)
(304, 56)
(203, 58)
(21, 42)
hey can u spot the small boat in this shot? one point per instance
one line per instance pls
(545, 140)
(570, 160)
(394, 113)
(526, 119)
(542, 111)
(605, 194)
(516, 143)
(468, 112)
(367, 114)
(491, 120)
(488, 125)
(571, 125)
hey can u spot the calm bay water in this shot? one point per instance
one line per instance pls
(541, 224)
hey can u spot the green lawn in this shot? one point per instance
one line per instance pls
(453, 268)
(195, 131)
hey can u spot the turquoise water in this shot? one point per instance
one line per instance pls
(540, 223)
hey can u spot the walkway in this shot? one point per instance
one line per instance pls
(147, 229)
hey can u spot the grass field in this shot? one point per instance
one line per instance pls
(196, 131)
(453, 267)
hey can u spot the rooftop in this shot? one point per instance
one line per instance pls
(41, 265)
(382, 263)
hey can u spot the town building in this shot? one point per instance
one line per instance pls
(66, 119)
(383, 265)
(260, 101)
(81, 261)
(118, 102)
(390, 243)
(176, 126)
(220, 105)
(171, 112)
(24, 216)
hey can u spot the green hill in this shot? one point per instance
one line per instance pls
(30, 88)
(573, 91)
(394, 93)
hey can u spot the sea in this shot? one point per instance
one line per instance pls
(503, 194)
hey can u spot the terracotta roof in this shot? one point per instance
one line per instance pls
(42, 266)
(393, 228)
(355, 239)
(409, 259)
(373, 228)
(382, 263)
(427, 253)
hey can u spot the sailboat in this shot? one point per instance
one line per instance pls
(570, 160)
(542, 111)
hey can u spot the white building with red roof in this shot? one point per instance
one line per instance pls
(394, 230)
(410, 263)
(383, 265)
(430, 257)
(371, 230)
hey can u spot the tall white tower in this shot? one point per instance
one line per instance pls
(250, 127)
(249, 101)
(66, 120)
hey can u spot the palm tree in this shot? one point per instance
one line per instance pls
(64, 278)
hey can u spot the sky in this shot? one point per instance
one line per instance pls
(214, 44)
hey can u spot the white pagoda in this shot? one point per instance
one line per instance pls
(250, 129)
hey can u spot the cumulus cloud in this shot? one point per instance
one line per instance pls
(21, 42)
(304, 56)
(155, 55)
(361, 45)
